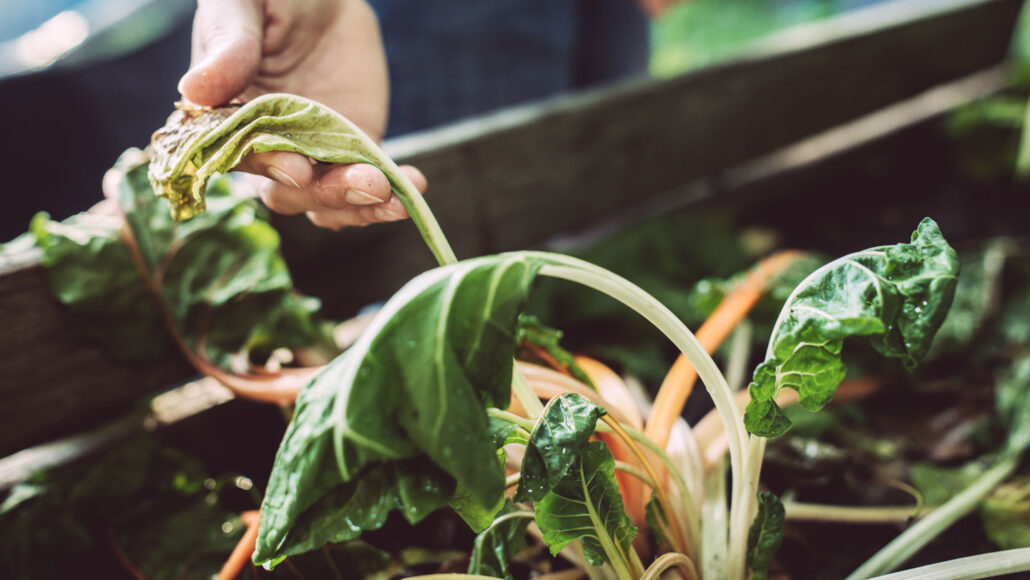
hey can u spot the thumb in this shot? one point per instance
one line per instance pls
(226, 51)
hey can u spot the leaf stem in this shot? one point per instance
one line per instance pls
(980, 566)
(512, 418)
(634, 471)
(691, 517)
(682, 543)
(587, 274)
(668, 561)
(849, 514)
(911, 540)
(525, 395)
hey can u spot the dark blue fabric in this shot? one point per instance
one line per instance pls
(451, 59)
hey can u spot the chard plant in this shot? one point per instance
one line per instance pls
(428, 408)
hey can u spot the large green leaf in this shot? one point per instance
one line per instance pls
(497, 545)
(586, 506)
(220, 277)
(896, 296)
(414, 387)
(561, 431)
(765, 536)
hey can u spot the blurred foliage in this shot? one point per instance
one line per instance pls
(698, 33)
(142, 502)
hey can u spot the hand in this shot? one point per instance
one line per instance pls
(326, 50)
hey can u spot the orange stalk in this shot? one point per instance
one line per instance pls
(619, 401)
(711, 434)
(733, 308)
(243, 551)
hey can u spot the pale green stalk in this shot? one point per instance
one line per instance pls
(979, 566)
(419, 211)
(739, 355)
(714, 541)
(510, 417)
(525, 395)
(634, 471)
(911, 540)
(849, 514)
(592, 276)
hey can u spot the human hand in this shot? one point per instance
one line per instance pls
(326, 50)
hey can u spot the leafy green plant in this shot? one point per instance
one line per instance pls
(413, 417)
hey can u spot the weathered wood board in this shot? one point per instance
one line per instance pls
(515, 179)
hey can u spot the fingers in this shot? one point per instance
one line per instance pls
(227, 39)
(332, 196)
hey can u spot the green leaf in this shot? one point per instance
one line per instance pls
(414, 387)
(535, 332)
(657, 520)
(504, 432)
(1012, 398)
(562, 430)
(497, 545)
(939, 484)
(896, 296)
(1006, 514)
(220, 277)
(765, 536)
(90, 271)
(195, 145)
(586, 506)
(476, 516)
(976, 298)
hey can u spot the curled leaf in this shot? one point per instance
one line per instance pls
(896, 296)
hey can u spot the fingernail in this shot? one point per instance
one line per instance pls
(281, 176)
(385, 214)
(358, 197)
(182, 80)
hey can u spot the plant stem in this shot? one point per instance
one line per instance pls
(979, 566)
(849, 514)
(634, 471)
(911, 540)
(668, 561)
(512, 480)
(744, 507)
(691, 517)
(714, 540)
(420, 213)
(581, 272)
(512, 418)
(525, 395)
(682, 544)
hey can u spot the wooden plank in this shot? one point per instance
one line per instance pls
(50, 382)
(515, 179)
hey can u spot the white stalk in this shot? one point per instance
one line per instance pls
(592, 276)
(716, 519)
(524, 393)
(979, 566)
